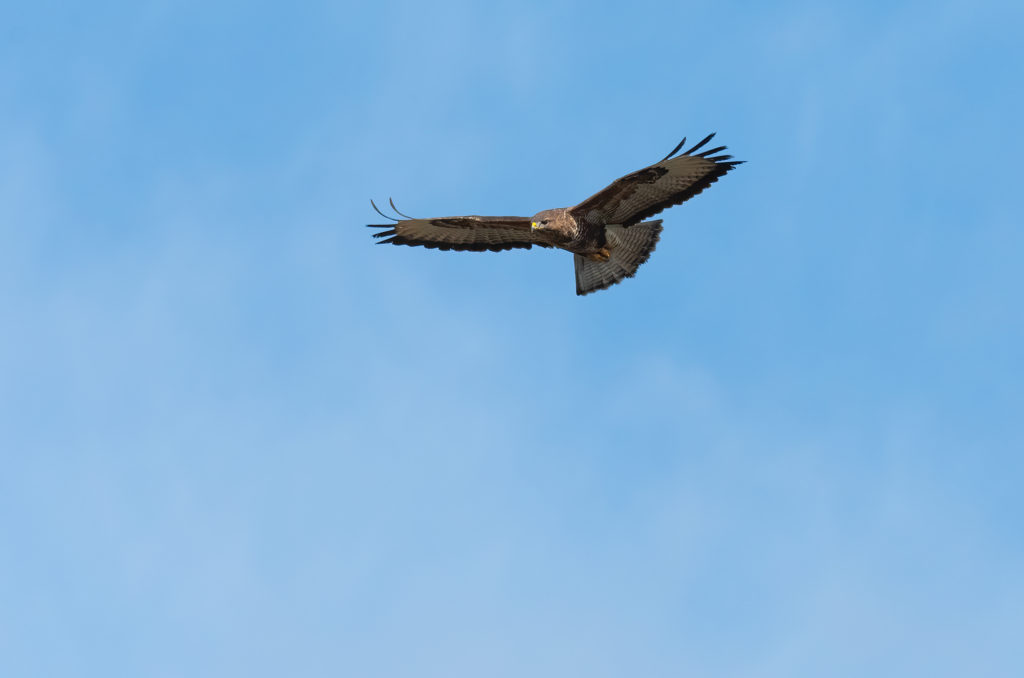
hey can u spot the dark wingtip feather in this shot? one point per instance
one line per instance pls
(396, 209)
(377, 209)
(674, 150)
(705, 154)
(701, 143)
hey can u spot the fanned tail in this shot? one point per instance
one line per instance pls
(629, 247)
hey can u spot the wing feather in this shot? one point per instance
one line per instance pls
(646, 192)
(469, 233)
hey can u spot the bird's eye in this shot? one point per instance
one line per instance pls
(544, 221)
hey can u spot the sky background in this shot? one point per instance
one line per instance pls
(238, 439)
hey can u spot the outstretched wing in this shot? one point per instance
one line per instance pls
(470, 233)
(644, 193)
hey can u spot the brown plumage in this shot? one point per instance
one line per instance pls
(606, 232)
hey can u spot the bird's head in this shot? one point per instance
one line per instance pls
(543, 220)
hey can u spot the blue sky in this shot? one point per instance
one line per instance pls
(238, 439)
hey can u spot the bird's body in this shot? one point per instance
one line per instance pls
(605, 232)
(569, 233)
(579, 236)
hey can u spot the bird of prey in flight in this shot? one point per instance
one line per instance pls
(606, 232)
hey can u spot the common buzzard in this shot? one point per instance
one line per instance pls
(606, 232)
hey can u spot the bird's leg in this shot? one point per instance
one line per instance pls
(602, 255)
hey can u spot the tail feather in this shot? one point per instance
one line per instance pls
(629, 248)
